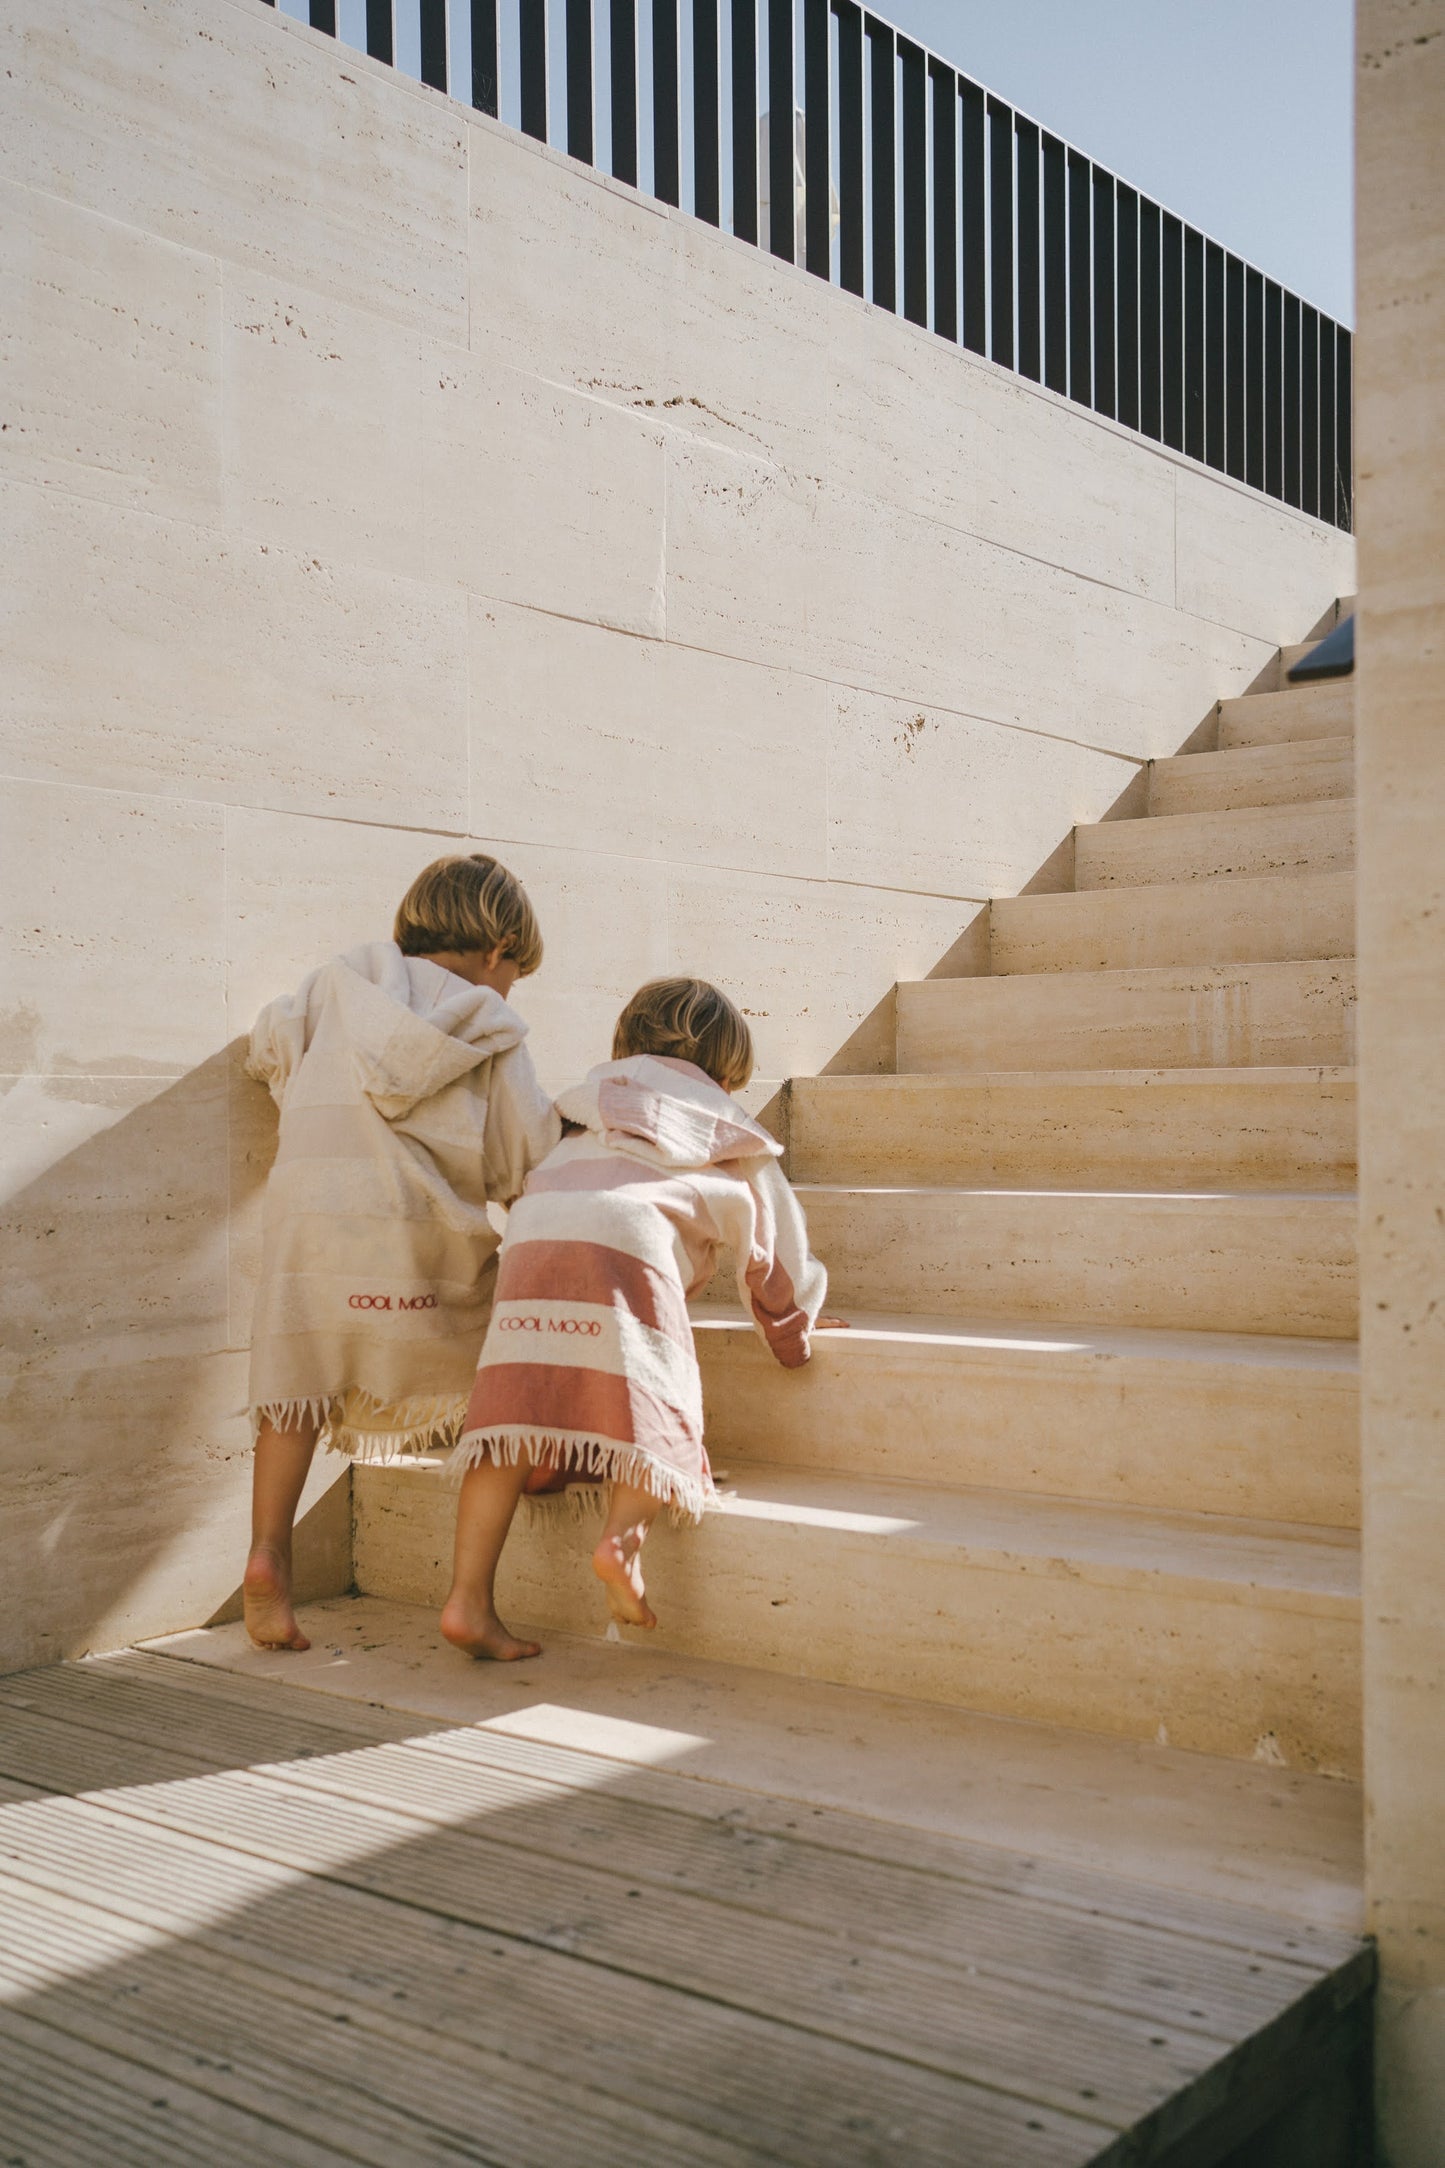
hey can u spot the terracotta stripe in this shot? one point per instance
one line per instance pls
(533, 1396)
(593, 1272)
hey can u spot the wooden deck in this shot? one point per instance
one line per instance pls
(242, 1921)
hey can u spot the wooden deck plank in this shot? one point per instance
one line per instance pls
(1094, 1892)
(542, 2115)
(1150, 1972)
(434, 1888)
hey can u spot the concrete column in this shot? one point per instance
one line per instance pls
(1401, 723)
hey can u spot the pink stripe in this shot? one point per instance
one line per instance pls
(610, 1173)
(775, 1306)
(541, 1271)
(535, 1396)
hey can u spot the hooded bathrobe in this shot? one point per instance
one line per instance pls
(408, 1102)
(589, 1366)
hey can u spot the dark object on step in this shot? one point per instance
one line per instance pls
(1334, 657)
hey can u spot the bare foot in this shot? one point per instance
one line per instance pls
(266, 1598)
(482, 1634)
(618, 1567)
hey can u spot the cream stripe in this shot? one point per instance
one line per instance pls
(622, 1345)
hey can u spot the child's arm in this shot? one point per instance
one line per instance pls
(522, 1126)
(278, 1040)
(779, 1279)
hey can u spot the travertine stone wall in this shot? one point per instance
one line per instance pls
(1401, 730)
(373, 479)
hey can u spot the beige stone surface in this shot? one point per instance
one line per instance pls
(1251, 1832)
(1146, 1129)
(1253, 775)
(110, 354)
(1222, 538)
(1289, 717)
(1234, 1015)
(1190, 1422)
(1245, 840)
(1207, 1262)
(1268, 918)
(584, 738)
(1401, 730)
(146, 654)
(924, 798)
(192, 119)
(1230, 1638)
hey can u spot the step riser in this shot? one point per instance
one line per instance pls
(1251, 841)
(1284, 919)
(1274, 1015)
(1235, 1132)
(1257, 776)
(1235, 1264)
(1188, 1436)
(1287, 718)
(1143, 1658)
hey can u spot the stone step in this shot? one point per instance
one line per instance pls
(1253, 775)
(1261, 1261)
(1273, 918)
(1246, 841)
(1234, 1637)
(1232, 1015)
(1300, 711)
(1145, 1129)
(1188, 1422)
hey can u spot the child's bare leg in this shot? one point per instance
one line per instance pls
(278, 1477)
(485, 1509)
(617, 1560)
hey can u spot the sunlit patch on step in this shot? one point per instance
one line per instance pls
(586, 1731)
(774, 1509)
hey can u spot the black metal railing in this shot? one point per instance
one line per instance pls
(916, 188)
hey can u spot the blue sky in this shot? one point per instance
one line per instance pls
(1237, 114)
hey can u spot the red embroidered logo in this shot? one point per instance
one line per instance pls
(588, 1327)
(389, 1302)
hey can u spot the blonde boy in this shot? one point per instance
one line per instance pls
(408, 1103)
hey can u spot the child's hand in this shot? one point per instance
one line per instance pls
(832, 1324)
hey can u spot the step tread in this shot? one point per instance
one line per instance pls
(1166, 978)
(1327, 812)
(1232, 759)
(1293, 1562)
(994, 1339)
(1264, 1076)
(1260, 1202)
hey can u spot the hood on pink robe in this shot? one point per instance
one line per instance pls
(669, 1113)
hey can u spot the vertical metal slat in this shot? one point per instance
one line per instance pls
(666, 143)
(1254, 378)
(782, 210)
(850, 145)
(817, 141)
(1214, 345)
(885, 156)
(1104, 375)
(1193, 342)
(1171, 248)
(1234, 367)
(380, 34)
(1081, 353)
(975, 213)
(706, 138)
(579, 80)
(1030, 356)
(1328, 412)
(1001, 232)
(1056, 267)
(1291, 400)
(745, 118)
(622, 82)
(1273, 388)
(915, 181)
(945, 199)
(532, 66)
(1126, 304)
(1344, 431)
(432, 23)
(323, 16)
(1309, 355)
(1151, 323)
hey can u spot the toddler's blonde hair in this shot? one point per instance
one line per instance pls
(687, 1020)
(465, 904)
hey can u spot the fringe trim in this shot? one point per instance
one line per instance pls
(430, 1425)
(686, 1497)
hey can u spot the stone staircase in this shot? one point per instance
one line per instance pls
(1088, 1457)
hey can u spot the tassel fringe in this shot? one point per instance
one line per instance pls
(368, 1429)
(687, 1498)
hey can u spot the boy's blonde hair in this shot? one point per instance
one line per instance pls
(463, 904)
(690, 1021)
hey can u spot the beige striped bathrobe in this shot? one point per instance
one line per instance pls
(588, 1367)
(408, 1103)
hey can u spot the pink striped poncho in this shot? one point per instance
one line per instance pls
(588, 1369)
